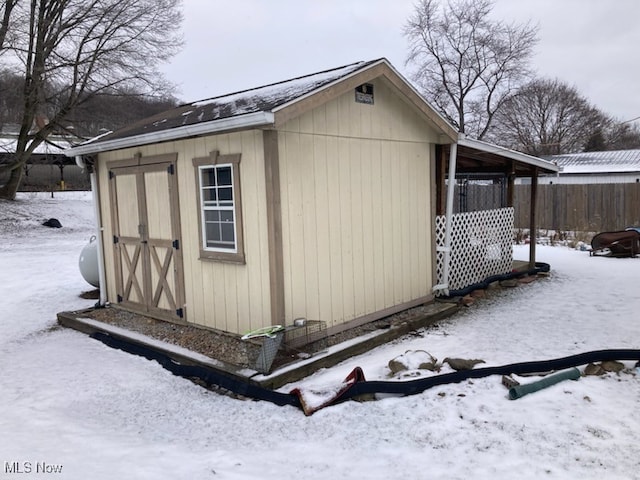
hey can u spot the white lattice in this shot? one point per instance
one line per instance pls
(481, 246)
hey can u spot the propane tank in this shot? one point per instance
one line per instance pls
(88, 262)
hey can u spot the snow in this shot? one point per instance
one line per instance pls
(592, 169)
(249, 101)
(617, 161)
(99, 413)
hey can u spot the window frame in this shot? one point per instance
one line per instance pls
(215, 160)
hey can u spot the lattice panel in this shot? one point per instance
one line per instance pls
(481, 246)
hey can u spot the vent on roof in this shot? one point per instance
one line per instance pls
(364, 93)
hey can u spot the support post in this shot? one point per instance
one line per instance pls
(532, 219)
(440, 180)
(446, 249)
(511, 180)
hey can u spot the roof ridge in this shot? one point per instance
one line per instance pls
(361, 63)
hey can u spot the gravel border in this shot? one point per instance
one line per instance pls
(226, 347)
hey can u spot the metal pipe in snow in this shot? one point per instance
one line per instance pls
(520, 391)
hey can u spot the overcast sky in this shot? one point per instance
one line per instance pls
(231, 45)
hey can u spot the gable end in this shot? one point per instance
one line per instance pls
(297, 107)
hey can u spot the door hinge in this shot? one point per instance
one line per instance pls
(176, 244)
(170, 169)
(180, 313)
(119, 298)
(111, 174)
(116, 239)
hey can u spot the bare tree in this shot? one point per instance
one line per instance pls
(620, 136)
(466, 63)
(109, 111)
(6, 7)
(10, 97)
(548, 117)
(71, 50)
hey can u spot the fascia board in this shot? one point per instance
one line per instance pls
(232, 123)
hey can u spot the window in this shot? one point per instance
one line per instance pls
(219, 207)
(216, 184)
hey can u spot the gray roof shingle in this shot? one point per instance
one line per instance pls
(260, 99)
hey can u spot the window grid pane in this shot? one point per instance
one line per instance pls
(218, 207)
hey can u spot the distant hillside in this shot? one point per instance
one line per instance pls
(100, 113)
(108, 112)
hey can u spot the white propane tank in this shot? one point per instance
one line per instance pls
(88, 262)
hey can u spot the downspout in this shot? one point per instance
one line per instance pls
(446, 249)
(98, 219)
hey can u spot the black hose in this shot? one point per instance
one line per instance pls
(422, 384)
(209, 376)
(252, 390)
(539, 268)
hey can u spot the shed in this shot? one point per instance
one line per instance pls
(314, 197)
(615, 166)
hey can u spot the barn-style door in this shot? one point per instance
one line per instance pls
(146, 236)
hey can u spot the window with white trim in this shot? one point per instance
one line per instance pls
(219, 205)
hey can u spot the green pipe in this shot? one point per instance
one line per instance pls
(522, 390)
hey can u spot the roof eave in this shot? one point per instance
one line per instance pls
(543, 165)
(250, 120)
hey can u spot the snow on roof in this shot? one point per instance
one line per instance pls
(615, 161)
(261, 99)
(272, 95)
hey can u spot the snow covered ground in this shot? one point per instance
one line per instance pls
(70, 402)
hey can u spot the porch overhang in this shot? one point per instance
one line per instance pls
(479, 158)
(483, 161)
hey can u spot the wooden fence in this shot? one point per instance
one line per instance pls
(585, 208)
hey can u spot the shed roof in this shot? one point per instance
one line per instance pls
(615, 161)
(254, 100)
(272, 105)
(258, 107)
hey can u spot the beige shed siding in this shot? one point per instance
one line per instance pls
(225, 296)
(356, 192)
